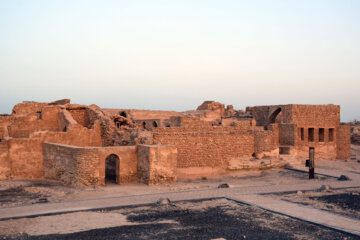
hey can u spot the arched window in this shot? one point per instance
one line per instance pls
(155, 125)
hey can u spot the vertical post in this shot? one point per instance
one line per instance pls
(311, 163)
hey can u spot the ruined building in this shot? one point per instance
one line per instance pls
(87, 145)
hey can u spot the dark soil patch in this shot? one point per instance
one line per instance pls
(17, 194)
(204, 220)
(301, 175)
(345, 201)
(341, 201)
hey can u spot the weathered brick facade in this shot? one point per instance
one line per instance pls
(76, 143)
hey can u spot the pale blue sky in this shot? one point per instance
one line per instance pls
(172, 55)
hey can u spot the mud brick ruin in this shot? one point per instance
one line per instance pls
(87, 145)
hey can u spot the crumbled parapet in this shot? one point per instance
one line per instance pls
(60, 102)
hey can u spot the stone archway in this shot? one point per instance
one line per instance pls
(273, 116)
(112, 164)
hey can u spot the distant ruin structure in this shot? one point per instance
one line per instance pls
(88, 145)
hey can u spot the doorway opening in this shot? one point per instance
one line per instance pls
(111, 168)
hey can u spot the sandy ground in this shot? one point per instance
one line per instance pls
(24, 192)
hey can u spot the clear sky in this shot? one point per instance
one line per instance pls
(173, 55)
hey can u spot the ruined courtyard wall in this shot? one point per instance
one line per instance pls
(207, 147)
(5, 168)
(26, 158)
(343, 143)
(85, 166)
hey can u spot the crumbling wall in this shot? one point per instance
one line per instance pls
(25, 108)
(343, 144)
(136, 114)
(26, 158)
(156, 164)
(46, 120)
(5, 167)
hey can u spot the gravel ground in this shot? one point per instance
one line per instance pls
(210, 219)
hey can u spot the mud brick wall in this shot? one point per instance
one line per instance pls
(156, 164)
(71, 165)
(26, 108)
(58, 162)
(49, 122)
(206, 147)
(179, 121)
(276, 135)
(26, 158)
(287, 134)
(264, 141)
(5, 170)
(343, 142)
(316, 115)
(85, 166)
(128, 162)
(79, 116)
(76, 135)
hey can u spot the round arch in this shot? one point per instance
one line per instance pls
(273, 116)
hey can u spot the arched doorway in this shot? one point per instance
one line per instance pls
(112, 163)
